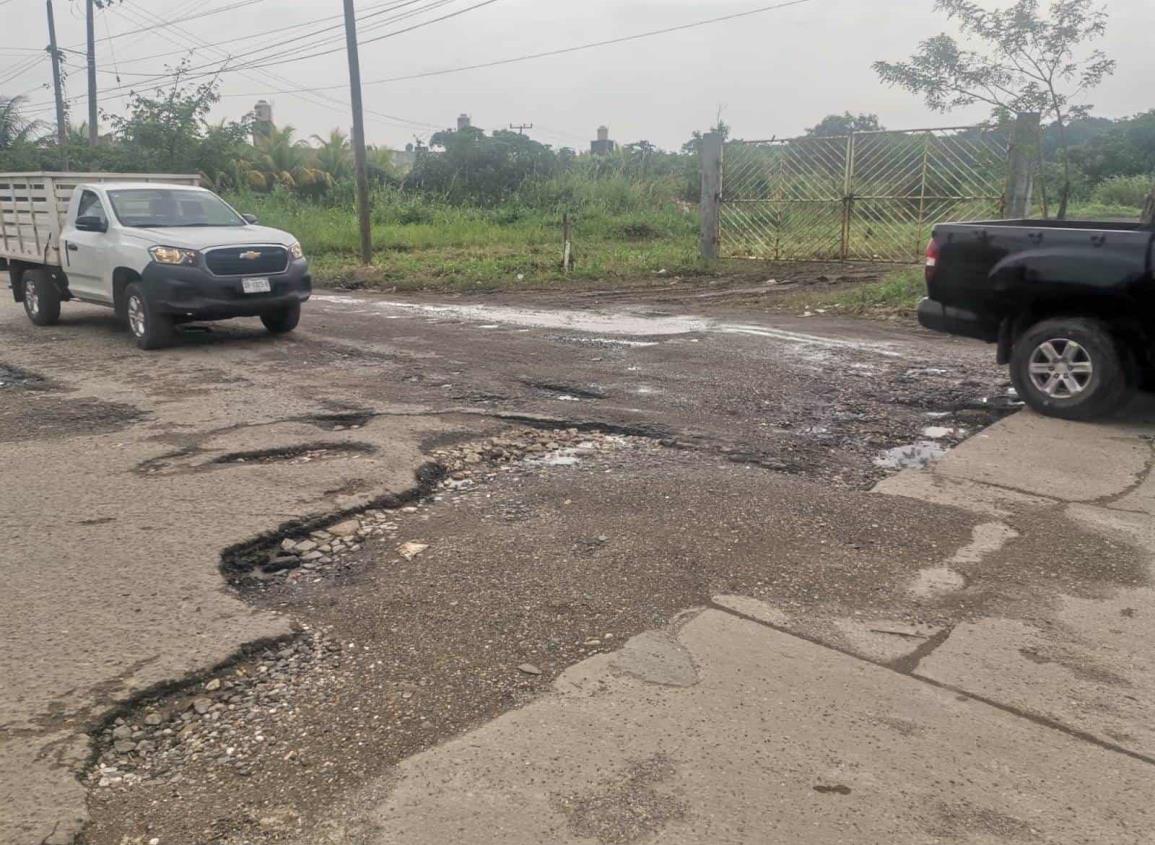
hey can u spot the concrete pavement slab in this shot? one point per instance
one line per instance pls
(779, 740)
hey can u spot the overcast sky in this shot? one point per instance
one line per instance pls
(772, 74)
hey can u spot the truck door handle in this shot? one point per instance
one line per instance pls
(73, 247)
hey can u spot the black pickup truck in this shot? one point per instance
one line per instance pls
(1070, 304)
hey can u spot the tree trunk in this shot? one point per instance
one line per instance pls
(1147, 218)
(1065, 190)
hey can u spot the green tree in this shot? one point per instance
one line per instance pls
(14, 127)
(334, 155)
(834, 125)
(167, 130)
(480, 168)
(1026, 59)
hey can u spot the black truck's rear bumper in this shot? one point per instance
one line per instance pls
(951, 320)
(196, 294)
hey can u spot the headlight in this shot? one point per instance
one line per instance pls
(174, 255)
(296, 252)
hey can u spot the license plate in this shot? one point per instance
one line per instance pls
(256, 285)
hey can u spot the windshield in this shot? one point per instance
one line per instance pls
(163, 207)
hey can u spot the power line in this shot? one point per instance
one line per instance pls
(564, 50)
(142, 15)
(213, 69)
(258, 61)
(203, 14)
(315, 100)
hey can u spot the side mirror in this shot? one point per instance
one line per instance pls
(91, 224)
(251, 219)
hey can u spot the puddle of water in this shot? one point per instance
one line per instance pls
(915, 456)
(603, 323)
(596, 323)
(938, 432)
(567, 398)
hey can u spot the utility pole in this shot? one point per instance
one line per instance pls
(93, 129)
(61, 125)
(521, 127)
(359, 164)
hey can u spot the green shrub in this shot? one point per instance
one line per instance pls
(1129, 191)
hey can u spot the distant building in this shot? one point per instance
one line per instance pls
(603, 145)
(262, 120)
(464, 121)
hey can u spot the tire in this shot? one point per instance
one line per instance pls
(283, 321)
(1071, 368)
(150, 329)
(41, 298)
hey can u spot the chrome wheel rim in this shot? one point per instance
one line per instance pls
(136, 316)
(1061, 368)
(31, 298)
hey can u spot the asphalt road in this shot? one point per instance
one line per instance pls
(729, 451)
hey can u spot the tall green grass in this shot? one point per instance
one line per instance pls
(619, 228)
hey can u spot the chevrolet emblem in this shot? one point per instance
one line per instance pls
(251, 255)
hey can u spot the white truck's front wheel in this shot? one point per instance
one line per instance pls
(151, 330)
(41, 298)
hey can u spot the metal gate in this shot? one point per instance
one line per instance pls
(869, 196)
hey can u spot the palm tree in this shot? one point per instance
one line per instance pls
(14, 127)
(278, 155)
(334, 156)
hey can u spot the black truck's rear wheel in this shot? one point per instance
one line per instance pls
(285, 320)
(150, 329)
(1072, 368)
(41, 298)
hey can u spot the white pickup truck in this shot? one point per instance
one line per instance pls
(157, 248)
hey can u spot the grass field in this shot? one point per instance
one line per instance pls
(621, 231)
(624, 232)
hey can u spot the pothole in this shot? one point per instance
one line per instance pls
(317, 549)
(568, 392)
(194, 459)
(230, 717)
(341, 422)
(11, 376)
(296, 454)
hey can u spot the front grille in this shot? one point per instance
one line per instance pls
(228, 261)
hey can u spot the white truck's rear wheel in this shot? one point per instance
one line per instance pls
(41, 298)
(151, 330)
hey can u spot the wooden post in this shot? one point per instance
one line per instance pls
(1020, 171)
(360, 165)
(710, 209)
(93, 120)
(567, 244)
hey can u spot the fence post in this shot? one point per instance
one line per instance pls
(1020, 172)
(711, 201)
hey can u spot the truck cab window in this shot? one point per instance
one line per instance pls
(90, 206)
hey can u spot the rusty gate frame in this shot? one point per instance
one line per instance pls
(801, 198)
